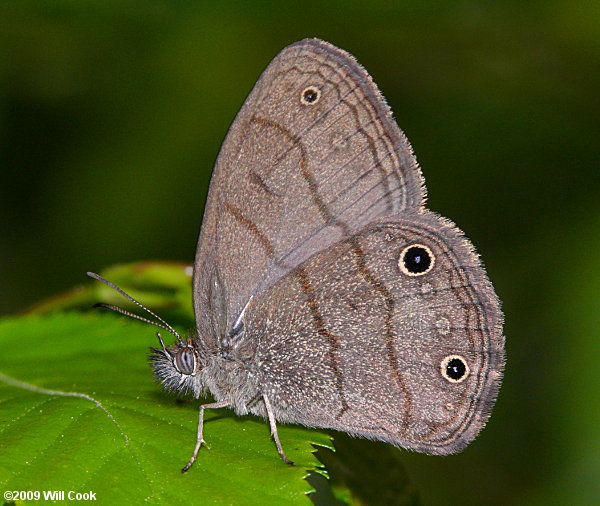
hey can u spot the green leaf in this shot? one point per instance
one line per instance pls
(79, 411)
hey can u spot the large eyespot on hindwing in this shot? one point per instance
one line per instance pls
(454, 368)
(310, 95)
(416, 260)
(185, 361)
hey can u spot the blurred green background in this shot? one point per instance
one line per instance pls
(112, 114)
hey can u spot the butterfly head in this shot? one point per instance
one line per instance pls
(178, 367)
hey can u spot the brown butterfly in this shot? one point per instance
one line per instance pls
(325, 293)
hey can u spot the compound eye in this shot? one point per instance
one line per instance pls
(185, 361)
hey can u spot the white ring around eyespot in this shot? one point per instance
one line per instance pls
(445, 363)
(401, 260)
(315, 90)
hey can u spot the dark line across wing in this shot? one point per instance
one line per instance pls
(252, 227)
(322, 330)
(392, 357)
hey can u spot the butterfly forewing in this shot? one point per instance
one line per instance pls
(313, 155)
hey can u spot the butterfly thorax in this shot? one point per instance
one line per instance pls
(232, 380)
(189, 369)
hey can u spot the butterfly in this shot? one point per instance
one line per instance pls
(325, 293)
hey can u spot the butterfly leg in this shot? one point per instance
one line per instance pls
(273, 424)
(200, 439)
